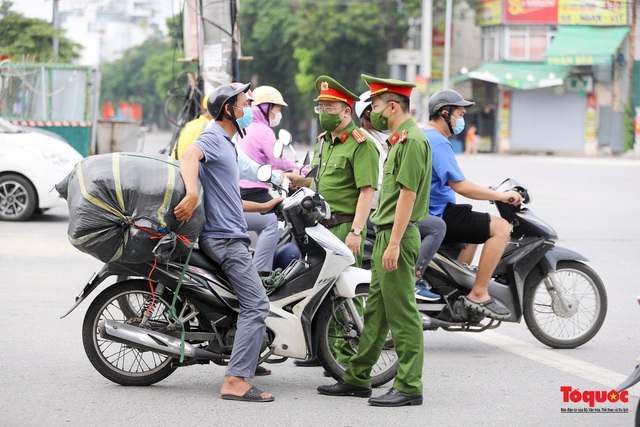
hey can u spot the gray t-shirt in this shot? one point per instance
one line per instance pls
(219, 177)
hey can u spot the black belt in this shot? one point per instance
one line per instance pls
(379, 228)
(337, 219)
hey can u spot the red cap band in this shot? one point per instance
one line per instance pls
(335, 95)
(378, 88)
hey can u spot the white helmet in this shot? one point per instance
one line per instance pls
(268, 94)
(362, 105)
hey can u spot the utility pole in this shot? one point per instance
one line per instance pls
(56, 27)
(217, 61)
(425, 44)
(447, 46)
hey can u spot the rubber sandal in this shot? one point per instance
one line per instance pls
(490, 308)
(252, 395)
(261, 371)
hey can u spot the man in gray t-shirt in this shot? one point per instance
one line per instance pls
(224, 239)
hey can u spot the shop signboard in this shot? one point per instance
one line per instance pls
(579, 12)
(489, 12)
(561, 12)
(531, 12)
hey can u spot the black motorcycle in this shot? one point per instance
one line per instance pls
(563, 300)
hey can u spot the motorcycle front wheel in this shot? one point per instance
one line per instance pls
(575, 321)
(339, 338)
(126, 302)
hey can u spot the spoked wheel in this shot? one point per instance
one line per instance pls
(339, 338)
(568, 322)
(126, 302)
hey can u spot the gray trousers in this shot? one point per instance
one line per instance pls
(268, 235)
(433, 229)
(234, 258)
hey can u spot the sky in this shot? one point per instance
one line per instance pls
(42, 9)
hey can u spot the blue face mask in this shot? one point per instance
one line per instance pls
(459, 125)
(245, 120)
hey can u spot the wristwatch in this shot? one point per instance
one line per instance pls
(356, 231)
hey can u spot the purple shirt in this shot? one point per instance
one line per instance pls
(258, 146)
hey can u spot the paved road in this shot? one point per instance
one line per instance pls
(501, 378)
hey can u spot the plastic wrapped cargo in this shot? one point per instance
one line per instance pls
(121, 208)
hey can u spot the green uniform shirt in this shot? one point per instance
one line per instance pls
(346, 167)
(408, 164)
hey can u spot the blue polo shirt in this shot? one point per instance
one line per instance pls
(445, 168)
(219, 176)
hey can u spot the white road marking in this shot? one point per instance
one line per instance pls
(555, 359)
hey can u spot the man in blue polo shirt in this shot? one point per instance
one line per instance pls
(446, 117)
(224, 239)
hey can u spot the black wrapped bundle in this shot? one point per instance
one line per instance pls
(121, 208)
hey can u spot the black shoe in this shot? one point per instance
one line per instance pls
(395, 397)
(342, 388)
(307, 362)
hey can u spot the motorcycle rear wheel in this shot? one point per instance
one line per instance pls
(337, 337)
(121, 363)
(552, 324)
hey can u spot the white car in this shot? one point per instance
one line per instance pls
(31, 163)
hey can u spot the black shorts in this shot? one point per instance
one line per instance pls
(464, 225)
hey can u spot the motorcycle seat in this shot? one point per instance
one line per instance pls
(200, 259)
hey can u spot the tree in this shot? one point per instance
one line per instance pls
(25, 39)
(146, 73)
(294, 41)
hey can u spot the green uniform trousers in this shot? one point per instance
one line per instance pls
(341, 231)
(391, 305)
(341, 350)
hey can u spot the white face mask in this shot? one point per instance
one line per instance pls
(275, 122)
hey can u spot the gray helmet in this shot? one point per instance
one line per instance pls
(221, 95)
(444, 98)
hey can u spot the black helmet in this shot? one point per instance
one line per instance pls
(221, 95)
(444, 98)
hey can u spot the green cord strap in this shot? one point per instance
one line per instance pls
(172, 310)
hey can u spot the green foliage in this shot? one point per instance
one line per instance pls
(294, 41)
(31, 40)
(143, 75)
(629, 128)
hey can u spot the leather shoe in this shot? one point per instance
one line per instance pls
(342, 388)
(395, 397)
(307, 362)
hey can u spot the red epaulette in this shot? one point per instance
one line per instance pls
(344, 136)
(360, 138)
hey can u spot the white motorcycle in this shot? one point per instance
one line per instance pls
(153, 320)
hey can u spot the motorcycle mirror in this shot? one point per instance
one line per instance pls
(264, 173)
(278, 147)
(313, 172)
(285, 136)
(305, 161)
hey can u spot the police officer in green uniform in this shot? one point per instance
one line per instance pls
(391, 305)
(348, 173)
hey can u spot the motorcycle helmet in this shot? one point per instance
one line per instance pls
(361, 106)
(268, 94)
(284, 255)
(221, 95)
(444, 98)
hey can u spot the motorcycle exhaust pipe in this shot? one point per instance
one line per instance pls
(146, 339)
